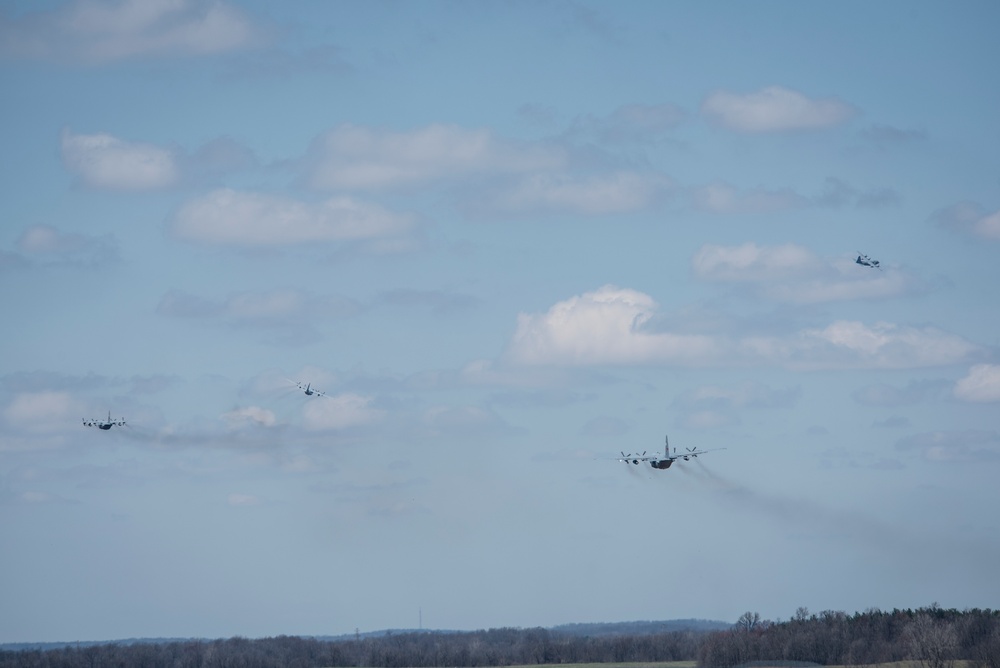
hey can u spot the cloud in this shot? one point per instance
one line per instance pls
(106, 162)
(981, 385)
(99, 31)
(792, 273)
(228, 217)
(593, 195)
(915, 392)
(629, 124)
(289, 315)
(341, 411)
(970, 219)
(750, 262)
(852, 344)
(48, 246)
(353, 157)
(602, 327)
(249, 416)
(616, 326)
(838, 193)
(45, 411)
(773, 109)
(968, 446)
(711, 406)
(886, 136)
(723, 198)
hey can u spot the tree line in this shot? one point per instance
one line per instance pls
(933, 636)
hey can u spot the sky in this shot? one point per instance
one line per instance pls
(509, 241)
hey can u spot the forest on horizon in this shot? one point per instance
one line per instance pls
(933, 636)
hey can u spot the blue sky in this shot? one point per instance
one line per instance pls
(508, 240)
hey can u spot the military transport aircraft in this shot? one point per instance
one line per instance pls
(307, 388)
(104, 424)
(866, 261)
(664, 462)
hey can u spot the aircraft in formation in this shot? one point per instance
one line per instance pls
(667, 459)
(307, 388)
(866, 261)
(104, 424)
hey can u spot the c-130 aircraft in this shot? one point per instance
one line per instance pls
(667, 459)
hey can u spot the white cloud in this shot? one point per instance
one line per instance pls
(614, 326)
(356, 157)
(340, 412)
(602, 327)
(100, 31)
(230, 217)
(724, 198)
(982, 384)
(774, 109)
(237, 499)
(104, 161)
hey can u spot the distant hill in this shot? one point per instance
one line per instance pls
(592, 630)
(642, 628)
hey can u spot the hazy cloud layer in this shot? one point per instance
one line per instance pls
(774, 109)
(794, 274)
(45, 245)
(355, 157)
(971, 219)
(99, 31)
(954, 446)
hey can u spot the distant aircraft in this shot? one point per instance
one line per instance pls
(866, 261)
(664, 462)
(104, 424)
(308, 389)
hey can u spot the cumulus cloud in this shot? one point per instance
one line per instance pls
(602, 327)
(792, 273)
(355, 157)
(615, 326)
(723, 198)
(971, 219)
(228, 217)
(101, 31)
(106, 162)
(981, 385)
(774, 109)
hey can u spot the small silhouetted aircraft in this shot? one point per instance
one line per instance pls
(308, 389)
(667, 459)
(104, 424)
(866, 261)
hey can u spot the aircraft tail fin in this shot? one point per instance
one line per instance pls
(666, 443)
